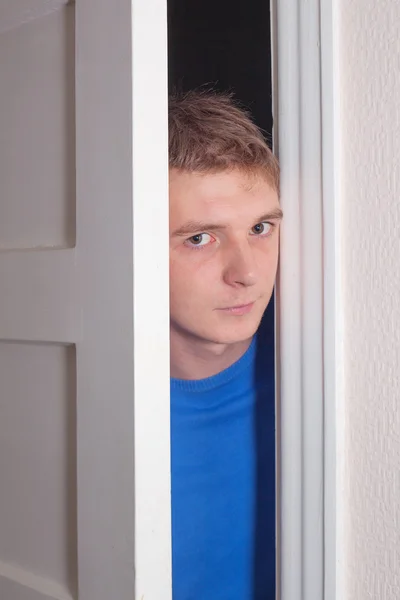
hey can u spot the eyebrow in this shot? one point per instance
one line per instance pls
(191, 227)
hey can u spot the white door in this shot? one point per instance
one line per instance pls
(84, 374)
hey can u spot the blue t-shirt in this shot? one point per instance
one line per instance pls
(223, 479)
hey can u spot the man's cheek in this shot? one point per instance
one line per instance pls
(183, 300)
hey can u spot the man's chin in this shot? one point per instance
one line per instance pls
(221, 331)
(235, 334)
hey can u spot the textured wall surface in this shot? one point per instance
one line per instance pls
(370, 108)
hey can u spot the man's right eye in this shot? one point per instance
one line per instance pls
(199, 240)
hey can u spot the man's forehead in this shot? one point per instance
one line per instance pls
(196, 196)
(216, 184)
(219, 201)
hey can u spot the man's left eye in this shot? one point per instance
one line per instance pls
(262, 228)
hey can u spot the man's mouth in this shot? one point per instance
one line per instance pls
(238, 309)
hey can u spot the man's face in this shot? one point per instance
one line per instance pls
(224, 234)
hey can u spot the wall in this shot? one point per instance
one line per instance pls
(370, 118)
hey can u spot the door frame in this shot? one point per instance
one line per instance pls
(309, 322)
(309, 332)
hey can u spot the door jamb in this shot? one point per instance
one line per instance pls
(309, 299)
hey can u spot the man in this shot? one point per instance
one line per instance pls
(224, 235)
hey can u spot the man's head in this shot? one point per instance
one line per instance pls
(224, 220)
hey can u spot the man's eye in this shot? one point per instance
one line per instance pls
(200, 239)
(263, 228)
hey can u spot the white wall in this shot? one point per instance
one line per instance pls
(370, 117)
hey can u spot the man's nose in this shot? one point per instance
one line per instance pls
(240, 266)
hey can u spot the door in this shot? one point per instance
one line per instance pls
(84, 316)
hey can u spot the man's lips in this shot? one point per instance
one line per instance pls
(238, 309)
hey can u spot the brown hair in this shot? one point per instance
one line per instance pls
(210, 132)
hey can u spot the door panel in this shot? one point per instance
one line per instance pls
(84, 411)
(38, 466)
(37, 132)
(40, 315)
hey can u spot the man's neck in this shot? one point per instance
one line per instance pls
(197, 359)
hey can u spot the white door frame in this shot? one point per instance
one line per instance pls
(309, 315)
